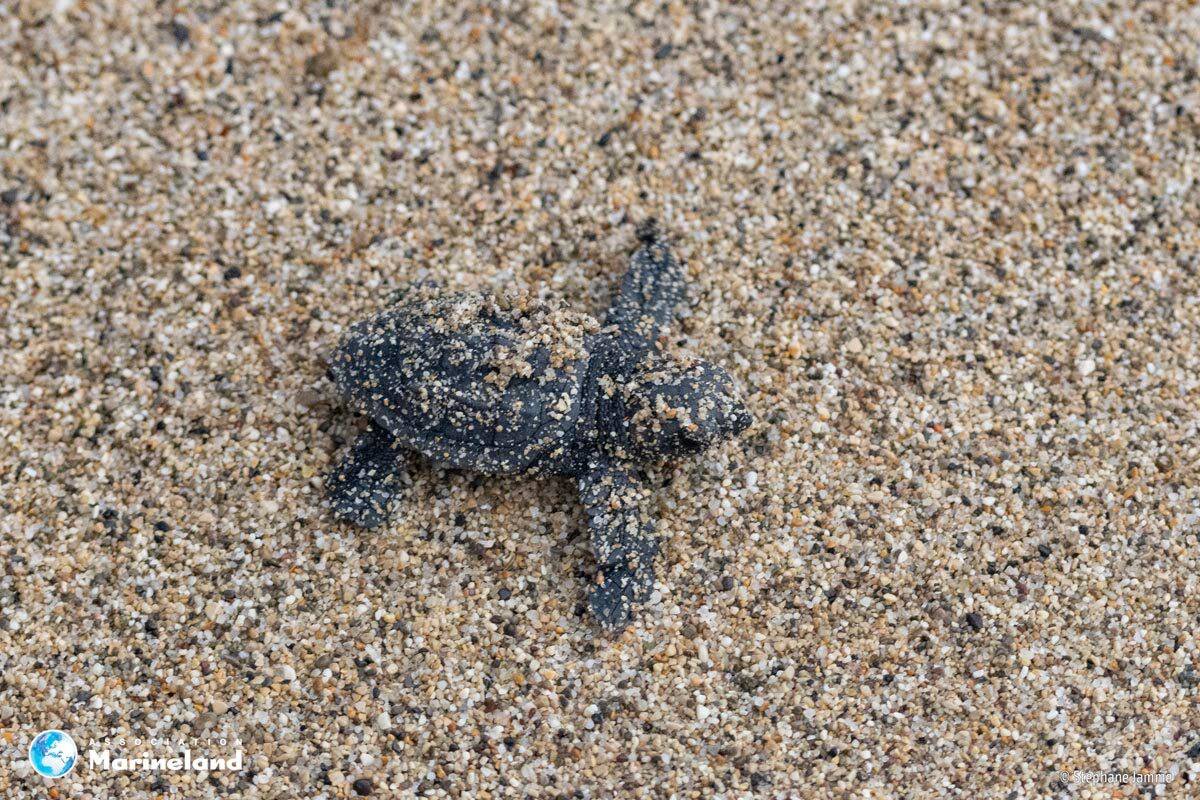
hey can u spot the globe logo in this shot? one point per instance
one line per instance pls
(53, 753)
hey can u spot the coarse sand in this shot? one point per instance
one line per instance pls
(949, 252)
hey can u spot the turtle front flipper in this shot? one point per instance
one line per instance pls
(651, 289)
(622, 538)
(365, 483)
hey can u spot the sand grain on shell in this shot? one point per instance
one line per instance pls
(951, 255)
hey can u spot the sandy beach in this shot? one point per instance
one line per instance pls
(949, 252)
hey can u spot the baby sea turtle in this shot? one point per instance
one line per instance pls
(515, 385)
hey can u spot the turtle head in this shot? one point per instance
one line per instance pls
(673, 408)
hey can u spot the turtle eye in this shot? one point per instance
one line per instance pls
(694, 438)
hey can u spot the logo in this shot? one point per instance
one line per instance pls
(53, 753)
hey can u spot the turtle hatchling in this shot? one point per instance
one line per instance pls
(514, 385)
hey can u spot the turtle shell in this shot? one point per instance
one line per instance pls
(470, 381)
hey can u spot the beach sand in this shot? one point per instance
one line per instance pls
(949, 253)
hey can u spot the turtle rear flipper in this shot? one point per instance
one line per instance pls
(364, 486)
